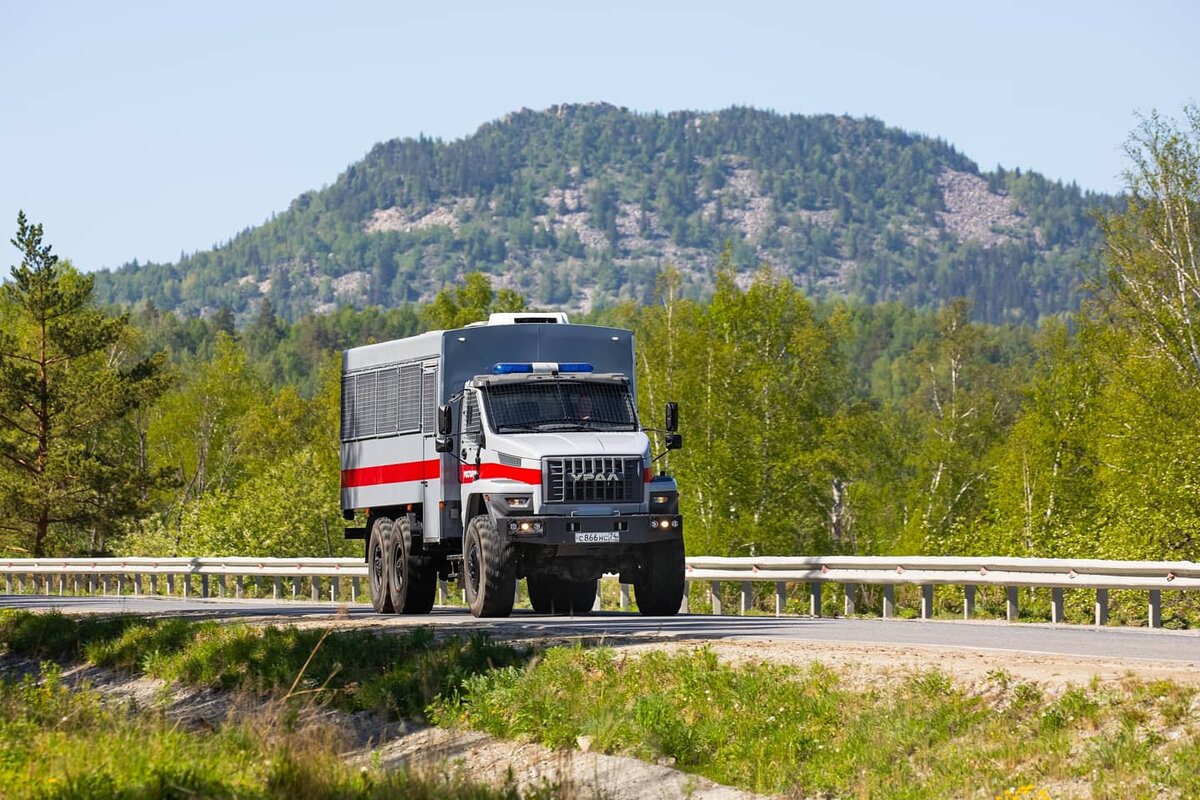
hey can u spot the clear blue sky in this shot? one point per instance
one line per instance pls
(139, 130)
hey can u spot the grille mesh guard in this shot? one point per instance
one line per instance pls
(592, 479)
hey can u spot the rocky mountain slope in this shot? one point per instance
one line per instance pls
(585, 204)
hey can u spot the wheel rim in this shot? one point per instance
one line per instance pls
(473, 568)
(377, 565)
(398, 567)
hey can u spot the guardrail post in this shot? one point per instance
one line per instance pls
(91, 584)
(780, 597)
(927, 601)
(20, 585)
(277, 587)
(814, 599)
(238, 587)
(121, 584)
(1056, 604)
(74, 584)
(443, 591)
(889, 601)
(744, 598)
(137, 585)
(848, 602)
(714, 594)
(1011, 609)
(334, 588)
(1102, 606)
(1155, 608)
(354, 590)
(596, 604)
(624, 596)
(684, 604)
(7, 583)
(258, 586)
(221, 586)
(153, 583)
(62, 585)
(968, 601)
(296, 588)
(204, 585)
(316, 587)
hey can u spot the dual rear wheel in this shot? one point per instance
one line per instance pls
(402, 579)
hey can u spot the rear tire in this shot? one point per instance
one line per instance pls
(574, 597)
(411, 580)
(379, 565)
(660, 585)
(489, 574)
(551, 595)
(541, 594)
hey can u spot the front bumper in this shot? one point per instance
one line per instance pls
(599, 530)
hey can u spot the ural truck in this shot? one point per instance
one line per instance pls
(507, 449)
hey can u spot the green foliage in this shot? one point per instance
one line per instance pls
(759, 376)
(471, 302)
(69, 380)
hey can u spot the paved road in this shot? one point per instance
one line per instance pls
(1125, 643)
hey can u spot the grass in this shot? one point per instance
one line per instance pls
(771, 728)
(763, 727)
(64, 742)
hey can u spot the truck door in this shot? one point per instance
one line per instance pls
(431, 459)
(471, 441)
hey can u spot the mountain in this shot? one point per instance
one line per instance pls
(579, 205)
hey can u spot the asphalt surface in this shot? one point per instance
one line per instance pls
(1030, 638)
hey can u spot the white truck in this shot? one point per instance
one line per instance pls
(504, 450)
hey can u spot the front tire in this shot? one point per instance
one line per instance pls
(489, 574)
(660, 584)
(411, 581)
(379, 565)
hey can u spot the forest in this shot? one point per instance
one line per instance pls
(812, 425)
(580, 207)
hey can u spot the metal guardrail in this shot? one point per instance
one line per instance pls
(138, 575)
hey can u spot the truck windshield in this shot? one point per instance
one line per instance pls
(560, 406)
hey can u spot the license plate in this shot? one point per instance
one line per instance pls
(596, 537)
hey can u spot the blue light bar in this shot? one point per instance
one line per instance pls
(517, 367)
(510, 368)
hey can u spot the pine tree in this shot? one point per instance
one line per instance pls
(68, 376)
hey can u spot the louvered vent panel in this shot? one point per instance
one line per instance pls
(409, 418)
(387, 398)
(364, 405)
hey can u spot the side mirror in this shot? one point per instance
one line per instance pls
(443, 444)
(672, 416)
(674, 441)
(445, 421)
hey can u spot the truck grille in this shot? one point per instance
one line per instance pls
(593, 479)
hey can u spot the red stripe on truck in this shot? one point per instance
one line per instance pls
(491, 469)
(403, 472)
